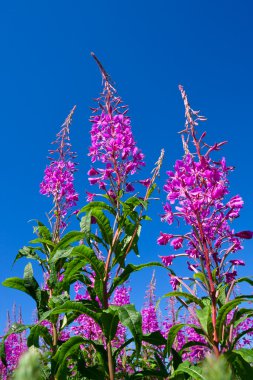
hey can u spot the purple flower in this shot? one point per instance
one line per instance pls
(168, 216)
(164, 238)
(149, 315)
(59, 176)
(177, 243)
(174, 282)
(244, 234)
(237, 262)
(230, 276)
(112, 143)
(167, 260)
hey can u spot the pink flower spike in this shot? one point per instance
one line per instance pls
(167, 260)
(177, 243)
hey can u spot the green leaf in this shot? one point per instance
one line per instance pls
(79, 308)
(188, 296)
(85, 225)
(161, 365)
(109, 322)
(61, 254)
(15, 283)
(154, 338)
(223, 312)
(172, 336)
(176, 358)
(245, 353)
(194, 371)
(97, 205)
(68, 349)
(204, 317)
(104, 225)
(200, 276)
(151, 373)
(244, 279)
(131, 318)
(241, 369)
(192, 343)
(42, 231)
(133, 202)
(118, 351)
(85, 253)
(36, 332)
(29, 253)
(69, 238)
(29, 286)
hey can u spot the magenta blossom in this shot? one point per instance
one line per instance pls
(167, 260)
(177, 243)
(112, 143)
(164, 238)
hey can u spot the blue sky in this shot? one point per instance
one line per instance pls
(148, 48)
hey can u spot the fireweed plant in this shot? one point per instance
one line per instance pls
(86, 326)
(197, 195)
(87, 337)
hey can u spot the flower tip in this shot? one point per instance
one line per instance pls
(244, 234)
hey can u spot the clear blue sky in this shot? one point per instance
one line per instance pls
(148, 47)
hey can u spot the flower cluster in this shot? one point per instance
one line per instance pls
(196, 191)
(15, 346)
(149, 314)
(59, 175)
(112, 143)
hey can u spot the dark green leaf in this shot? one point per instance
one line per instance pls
(97, 205)
(223, 312)
(188, 296)
(36, 332)
(154, 338)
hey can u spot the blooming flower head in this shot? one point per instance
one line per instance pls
(196, 190)
(149, 314)
(59, 176)
(113, 146)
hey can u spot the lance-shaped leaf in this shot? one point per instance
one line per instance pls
(69, 238)
(246, 354)
(69, 348)
(78, 308)
(190, 298)
(103, 224)
(109, 322)
(154, 338)
(204, 317)
(240, 367)
(172, 336)
(131, 318)
(29, 253)
(36, 332)
(185, 368)
(84, 253)
(97, 205)
(30, 286)
(223, 312)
